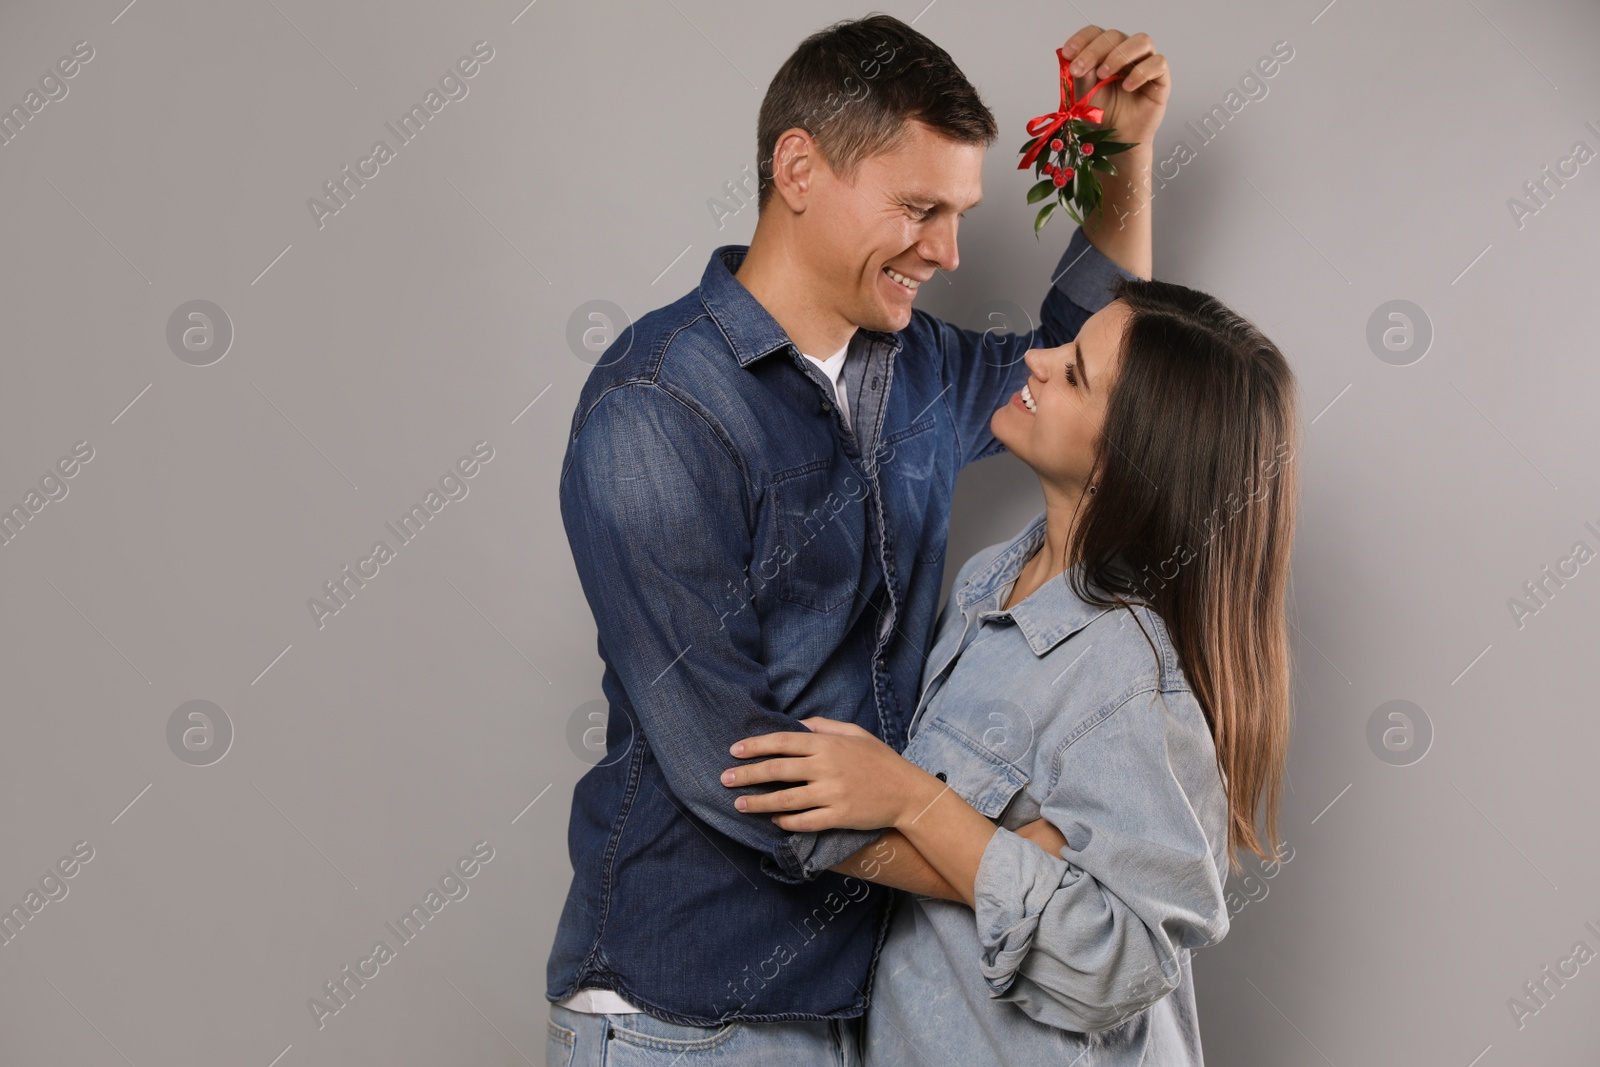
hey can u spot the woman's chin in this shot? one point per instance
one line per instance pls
(1006, 434)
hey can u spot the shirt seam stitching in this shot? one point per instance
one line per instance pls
(1088, 723)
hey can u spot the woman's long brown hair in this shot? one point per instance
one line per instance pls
(1194, 515)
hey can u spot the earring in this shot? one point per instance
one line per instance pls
(1092, 490)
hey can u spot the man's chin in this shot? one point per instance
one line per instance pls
(888, 320)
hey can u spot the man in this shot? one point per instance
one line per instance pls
(756, 492)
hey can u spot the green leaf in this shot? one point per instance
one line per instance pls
(1111, 148)
(1040, 191)
(1043, 217)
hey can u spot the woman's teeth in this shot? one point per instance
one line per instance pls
(909, 283)
(1027, 398)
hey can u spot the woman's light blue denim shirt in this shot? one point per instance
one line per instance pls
(1061, 709)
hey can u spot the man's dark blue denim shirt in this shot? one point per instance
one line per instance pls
(751, 560)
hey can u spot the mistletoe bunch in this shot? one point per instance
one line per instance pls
(1078, 148)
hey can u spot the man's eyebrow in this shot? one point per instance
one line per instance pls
(1077, 354)
(938, 202)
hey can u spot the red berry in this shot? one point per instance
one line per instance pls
(1059, 178)
(1049, 168)
(1055, 145)
(1088, 149)
(1068, 173)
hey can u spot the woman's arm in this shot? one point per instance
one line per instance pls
(1080, 939)
(856, 781)
(1088, 938)
(893, 861)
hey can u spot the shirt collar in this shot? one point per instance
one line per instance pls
(751, 330)
(1050, 614)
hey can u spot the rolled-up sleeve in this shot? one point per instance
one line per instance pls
(984, 367)
(657, 513)
(1084, 940)
(817, 852)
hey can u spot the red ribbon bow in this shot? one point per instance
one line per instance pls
(1071, 108)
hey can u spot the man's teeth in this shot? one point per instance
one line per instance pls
(1027, 398)
(909, 283)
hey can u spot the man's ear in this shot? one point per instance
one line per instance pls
(794, 159)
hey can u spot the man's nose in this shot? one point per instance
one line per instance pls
(938, 244)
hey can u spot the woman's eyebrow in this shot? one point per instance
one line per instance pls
(1077, 355)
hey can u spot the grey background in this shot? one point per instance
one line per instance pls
(434, 710)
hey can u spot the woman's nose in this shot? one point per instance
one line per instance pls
(1035, 362)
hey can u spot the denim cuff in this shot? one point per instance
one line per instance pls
(788, 867)
(1085, 273)
(812, 852)
(1016, 879)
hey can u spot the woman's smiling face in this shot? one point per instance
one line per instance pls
(1068, 388)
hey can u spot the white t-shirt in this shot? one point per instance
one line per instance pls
(831, 367)
(598, 1002)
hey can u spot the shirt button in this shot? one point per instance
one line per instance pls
(883, 664)
(940, 775)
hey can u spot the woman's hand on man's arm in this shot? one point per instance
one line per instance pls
(850, 779)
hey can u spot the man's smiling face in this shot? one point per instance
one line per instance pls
(900, 214)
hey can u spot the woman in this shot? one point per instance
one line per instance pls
(1119, 669)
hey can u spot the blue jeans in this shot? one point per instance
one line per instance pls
(581, 1039)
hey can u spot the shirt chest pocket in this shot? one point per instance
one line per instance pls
(914, 470)
(820, 524)
(980, 776)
